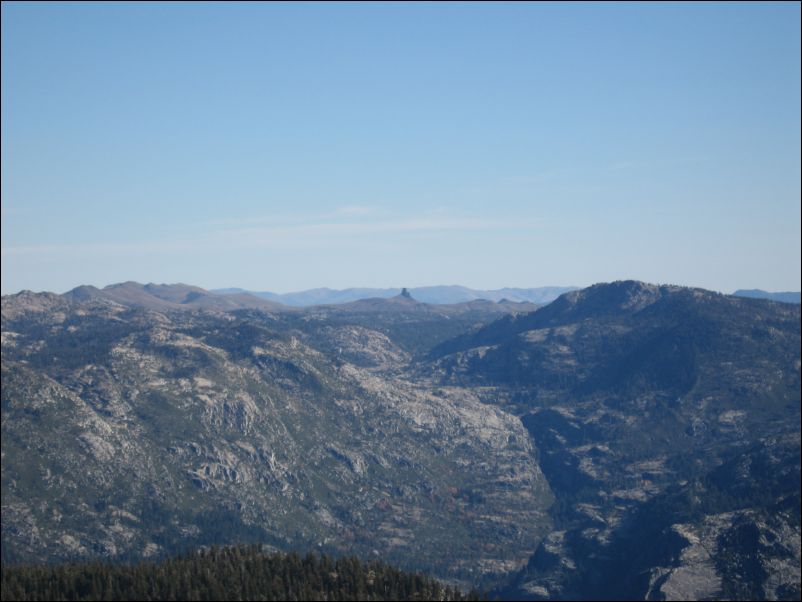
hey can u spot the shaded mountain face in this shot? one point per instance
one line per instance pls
(630, 389)
(627, 441)
(729, 533)
(629, 340)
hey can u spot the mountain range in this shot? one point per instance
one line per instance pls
(450, 294)
(626, 441)
(167, 296)
(426, 294)
(756, 293)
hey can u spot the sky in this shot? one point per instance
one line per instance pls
(280, 147)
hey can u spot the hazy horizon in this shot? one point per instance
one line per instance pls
(284, 147)
(388, 287)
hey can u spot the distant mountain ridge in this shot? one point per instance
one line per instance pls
(756, 293)
(167, 296)
(427, 294)
(179, 296)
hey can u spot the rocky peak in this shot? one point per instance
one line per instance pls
(29, 301)
(83, 293)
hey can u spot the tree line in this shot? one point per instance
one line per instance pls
(225, 573)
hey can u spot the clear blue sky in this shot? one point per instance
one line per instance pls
(282, 147)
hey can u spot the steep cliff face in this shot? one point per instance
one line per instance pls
(130, 432)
